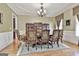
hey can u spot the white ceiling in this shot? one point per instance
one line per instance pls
(30, 9)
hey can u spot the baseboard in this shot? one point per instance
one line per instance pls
(20, 48)
(71, 43)
(6, 46)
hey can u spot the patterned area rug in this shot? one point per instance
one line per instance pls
(23, 49)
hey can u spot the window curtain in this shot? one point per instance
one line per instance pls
(76, 14)
(76, 10)
(59, 20)
(77, 17)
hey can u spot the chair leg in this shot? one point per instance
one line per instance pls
(36, 46)
(58, 43)
(28, 47)
(52, 44)
(41, 45)
(61, 40)
(48, 45)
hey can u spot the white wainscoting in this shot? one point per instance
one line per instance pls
(5, 39)
(70, 37)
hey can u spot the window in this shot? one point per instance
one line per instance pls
(77, 25)
(60, 27)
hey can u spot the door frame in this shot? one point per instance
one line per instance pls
(14, 16)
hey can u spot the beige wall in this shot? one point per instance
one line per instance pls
(22, 20)
(68, 14)
(6, 19)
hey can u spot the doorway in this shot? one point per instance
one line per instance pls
(14, 26)
(14, 22)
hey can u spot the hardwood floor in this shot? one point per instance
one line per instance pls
(11, 49)
(72, 51)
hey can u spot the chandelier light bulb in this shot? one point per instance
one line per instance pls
(38, 12)
(44, 11)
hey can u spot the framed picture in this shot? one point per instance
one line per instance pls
(68, 22)
(1, 18)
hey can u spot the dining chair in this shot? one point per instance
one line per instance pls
(55, 37)
(61, 35)
(45, 37)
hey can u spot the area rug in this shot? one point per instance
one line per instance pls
(23, 49)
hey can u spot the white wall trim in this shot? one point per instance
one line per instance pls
(19, 50)
(70, 37)
(13, 15)
(5, 39)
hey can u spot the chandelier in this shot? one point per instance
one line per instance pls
(41, 12)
